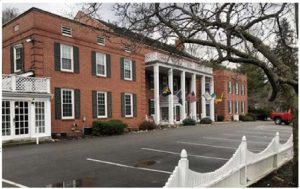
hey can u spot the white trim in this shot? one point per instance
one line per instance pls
(73, 106)
(64, 34)
(131, 104)
(105, 66)
(237, 107)
(230, 87)
(105, 103)
(230, 107)
(72, 61)
(129, 60)
(99, 36)
(237, 88)
(15, 55)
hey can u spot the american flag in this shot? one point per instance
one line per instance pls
(191, 97)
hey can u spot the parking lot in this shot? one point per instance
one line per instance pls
(132, 160)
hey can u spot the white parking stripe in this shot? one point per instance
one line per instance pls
(234, 140)
(176, 153)
(275, 130)
(127, 166)
(213, 146)
(272, 133)
(250, 135)
(13, 183)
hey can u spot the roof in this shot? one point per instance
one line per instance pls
(118, 30)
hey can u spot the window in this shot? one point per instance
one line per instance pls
(207, 87)
(100, 64)
(237, 88)
(243, 107)
(175, 84)
(151, 108)
(100, 40)
(243, 89)
(67, 105)
(229, 86)
(16, 27)
(66, 31)
(128, 105)
(66, 58)
(18, 63)
(127, 69)
(151, 81)
(230, 107)
(164, 82)
(101, 104)
(40, 117)
(237, 107)
(5, 118)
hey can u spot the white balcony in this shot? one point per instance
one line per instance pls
(163, 58)
(21, 84)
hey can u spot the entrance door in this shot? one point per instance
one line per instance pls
(21, 118)
(176, 113)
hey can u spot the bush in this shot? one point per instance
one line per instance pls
(111, 127)
(188, 121)
(246, 118)
(206, 120)
(147, 125)
(252, 115)
(220, 118)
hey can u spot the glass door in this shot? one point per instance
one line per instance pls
(21, 118)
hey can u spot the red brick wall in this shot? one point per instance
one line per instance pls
(221, 79)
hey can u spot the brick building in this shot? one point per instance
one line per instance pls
(234, 88)
(96, 73)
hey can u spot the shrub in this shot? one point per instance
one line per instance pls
(252, 115)
(220, 118)
(246, 118)
(111, 127)
(206, 120)
(147, 125)
(188, 121)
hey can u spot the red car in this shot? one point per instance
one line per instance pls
(281, 117)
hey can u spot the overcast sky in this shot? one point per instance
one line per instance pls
(63, 9)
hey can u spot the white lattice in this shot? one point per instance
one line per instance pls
(6, 83)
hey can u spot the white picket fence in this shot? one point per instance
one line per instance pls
(243, 169)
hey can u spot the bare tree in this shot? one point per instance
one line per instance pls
(8, 14)
(241, 33)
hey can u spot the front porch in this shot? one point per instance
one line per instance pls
(186, 80)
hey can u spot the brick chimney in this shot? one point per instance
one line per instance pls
(179, 45)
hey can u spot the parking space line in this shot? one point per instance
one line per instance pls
(250, 135)
(13, 183)
(213, 146)
(128, 166)
(275, 130)
(176, 153)
(235, 140)
(262, 132)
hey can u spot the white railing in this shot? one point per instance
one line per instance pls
(164, 58)
(15, 83)
(243, 169)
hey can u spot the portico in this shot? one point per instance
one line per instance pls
(180, 76)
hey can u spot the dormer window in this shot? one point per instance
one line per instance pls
(66, 31)
(100, 40)
(127, 48)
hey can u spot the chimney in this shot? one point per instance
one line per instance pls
(179, 45)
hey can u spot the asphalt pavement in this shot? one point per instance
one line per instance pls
(144, 159)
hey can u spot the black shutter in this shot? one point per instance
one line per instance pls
(77, 104)
(134, 105)
(76, 59)
(57, 56)
(109, 104)
(57, 96)
(133, 71)
(93, 58)
(94, 103)
(12, 63)
(108, 66)
(122, 68)
(122, 105)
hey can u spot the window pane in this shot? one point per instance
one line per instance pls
(40, 116)
(67, 103)
(128, 105)
(101, 105)
(127, 69)
(5, 118)
(66, 56)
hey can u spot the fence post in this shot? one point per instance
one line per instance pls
(243, 162)
(183, 166)
(276, 150)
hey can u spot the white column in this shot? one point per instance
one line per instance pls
(182, 84)
(171, 98)
(156, 94)
(212, 102)
(194, 104)
(203, 103)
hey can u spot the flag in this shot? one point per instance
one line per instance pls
(213, 95)
(191, 97)
(217, 100)
(207, 96)
(166, 92)
(178, 94)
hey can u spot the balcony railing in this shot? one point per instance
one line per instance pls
(163, 58)
(15, 83)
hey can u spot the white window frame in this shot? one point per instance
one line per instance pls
(73, 105)
(129, 79)
(230, 107)
(243, 107)
(72, 61)
(98, 74)
(15, 57)
(64, 34)
(237, 88)
(230, 86)
(237, 107)
(99, 36)
(131, 104)
(105, 103)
